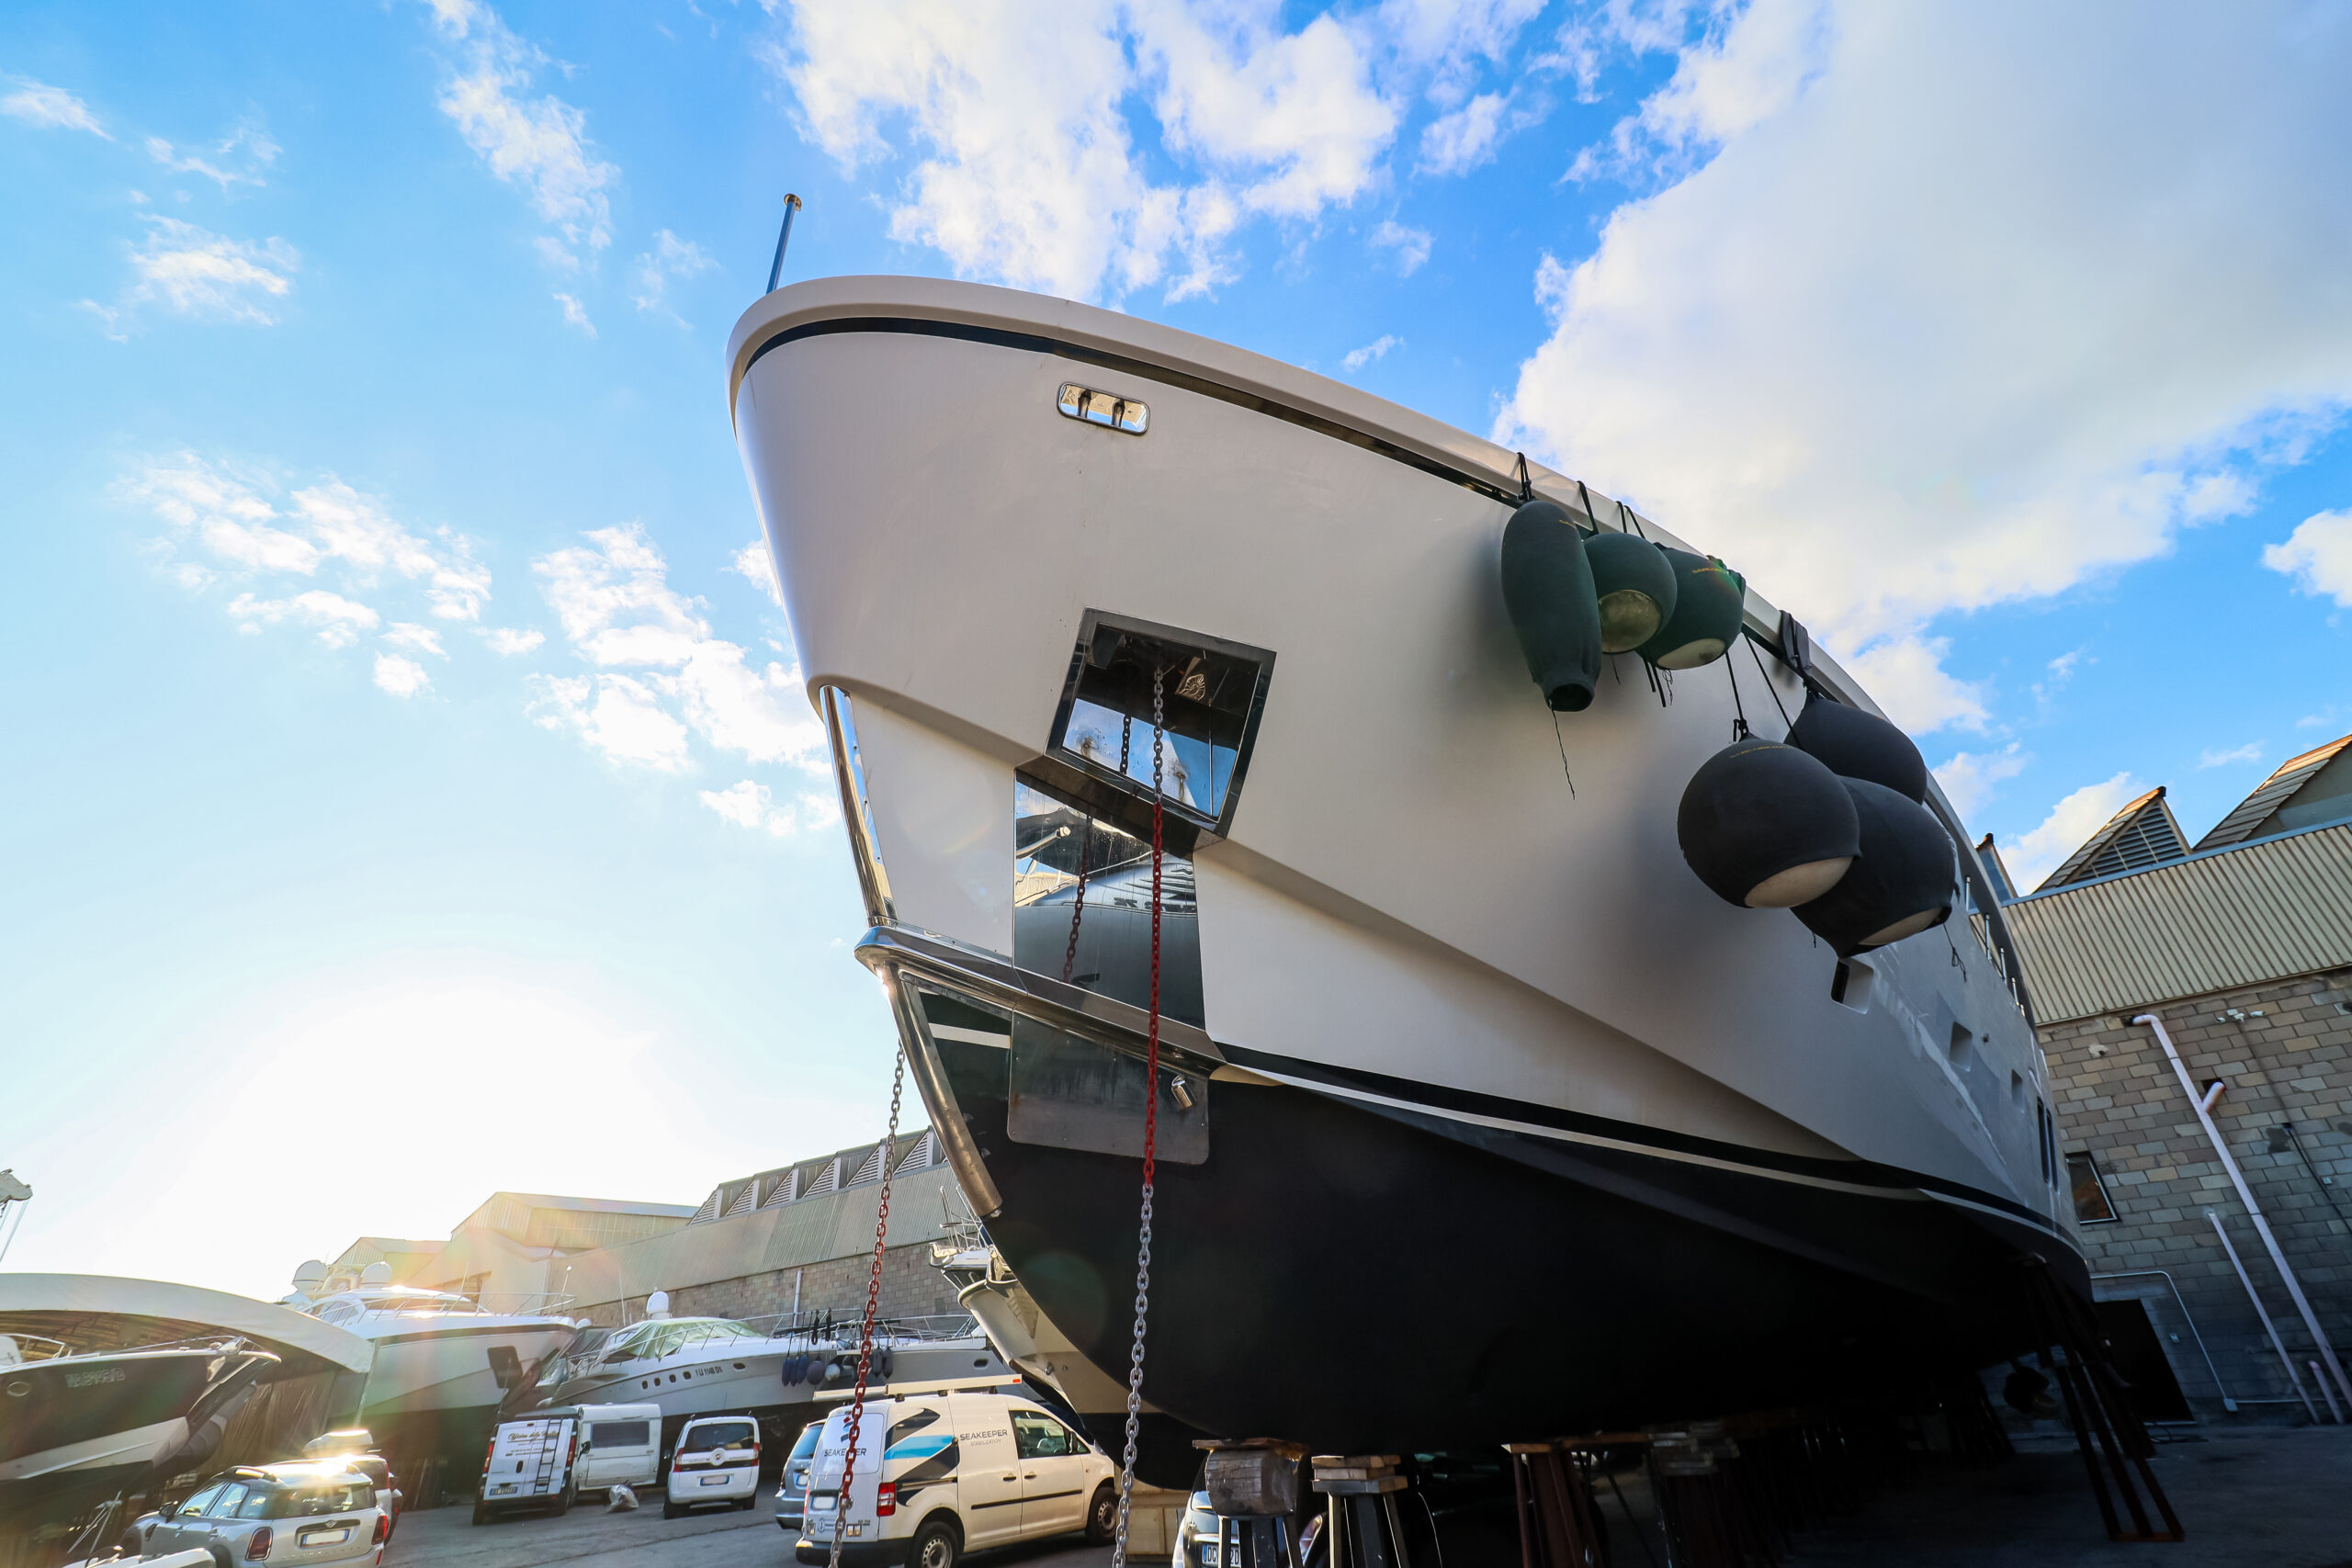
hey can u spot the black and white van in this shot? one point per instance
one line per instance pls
(528, 1465)
(939, 1475)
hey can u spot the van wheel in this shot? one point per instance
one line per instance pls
(563, 1503)
(481, 1515)
(670, 1510)
(1103, 1514)
(935, 1546)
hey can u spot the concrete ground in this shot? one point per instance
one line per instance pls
(2252, 1498)
(2259, 1499)
(590, 1538)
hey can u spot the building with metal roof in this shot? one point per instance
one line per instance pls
(2195, 1007)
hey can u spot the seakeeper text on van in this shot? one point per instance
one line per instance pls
(938, 1475)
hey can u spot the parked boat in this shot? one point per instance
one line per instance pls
(90, 1421)
(698, 1366)
(1463, 1023)
(436, 1352)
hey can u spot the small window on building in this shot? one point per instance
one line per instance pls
(2091, 1205)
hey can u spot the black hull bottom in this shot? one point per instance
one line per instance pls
(1365, 1279)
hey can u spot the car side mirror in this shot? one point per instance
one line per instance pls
(168, 1511)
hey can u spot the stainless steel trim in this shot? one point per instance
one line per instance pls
(931, 1083)
(840, 730)
(991, 981)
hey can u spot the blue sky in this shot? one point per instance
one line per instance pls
(411, 793)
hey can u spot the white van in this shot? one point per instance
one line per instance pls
(528, 1466)
(716, 1460)
(620, 1445)
(957, 1472)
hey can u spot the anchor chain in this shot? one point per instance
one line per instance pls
(1150, 1135)
(889, 1152)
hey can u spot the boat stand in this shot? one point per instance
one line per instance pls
(1253, 1491)
(1559, 1525)
(1361, 1522)
(2098, 1407)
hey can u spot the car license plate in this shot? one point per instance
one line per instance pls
(1209, 1554)
(325, 1538)
(501, 1488)
(716, 1480)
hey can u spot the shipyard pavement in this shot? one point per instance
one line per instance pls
(590, 1538)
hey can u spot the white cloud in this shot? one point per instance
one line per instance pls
(2212, 758)
(619, 717)
(421, 639)
(1971, 779)
(2318, 556)
(340, 620)
(401, 677)
(618, 612)
(755, 563)
(1357, 358)
(237, 516)
(506, 641)
(1894, 350)
(1465, 138)
(575, 314)
(238, 158)
(194, 272)
(1023, 121)
(541, 144)
(52, 109)
(748, 804)
(2037, 852)
(1411, 245)
(1905, 676)
(671, 258)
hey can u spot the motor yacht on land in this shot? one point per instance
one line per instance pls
(698, 1366)
(92, 1420)
(437, 1352)
(1439, 976)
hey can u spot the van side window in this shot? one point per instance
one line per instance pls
(1042, 1437)
(914, 1421)
(620, 1434)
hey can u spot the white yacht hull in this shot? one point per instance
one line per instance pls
(1460, 991)
(428, 1372)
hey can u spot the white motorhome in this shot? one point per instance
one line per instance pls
(956, 1473)
(620, 1445)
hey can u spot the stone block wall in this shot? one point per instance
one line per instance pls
(2287, 1059)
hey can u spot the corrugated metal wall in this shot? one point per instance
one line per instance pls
(2239, 917)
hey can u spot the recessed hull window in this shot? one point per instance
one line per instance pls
(1081, 914)
(1210, 694)
(2091, 1205)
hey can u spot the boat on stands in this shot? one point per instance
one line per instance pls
(91, 1421)
(437, 1353)
(1629, 976)
(702, 1366)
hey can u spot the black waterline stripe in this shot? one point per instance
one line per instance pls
(1128, 365)
(1437, 1096)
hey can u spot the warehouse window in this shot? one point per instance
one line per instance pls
(2091, 1205)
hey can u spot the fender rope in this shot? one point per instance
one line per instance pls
(888, 1150)
(1151, 1144)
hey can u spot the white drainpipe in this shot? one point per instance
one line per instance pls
(2253, 1208)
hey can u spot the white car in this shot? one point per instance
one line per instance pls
(304, 1512)
(716, 1460)
(956, 1473)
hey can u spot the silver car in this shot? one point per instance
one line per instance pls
(303, 1512)
(792, 1491)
